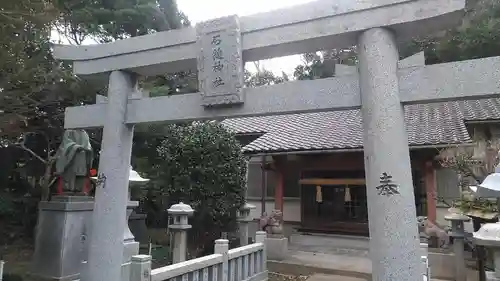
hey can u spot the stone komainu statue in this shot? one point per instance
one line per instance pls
(431, 230)
(73, 162)
(273, 223)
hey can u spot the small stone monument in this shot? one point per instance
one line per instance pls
(489, 237)
(244, 219)
(62, 227)
(179, 226)
(61, 237)
(458, 234)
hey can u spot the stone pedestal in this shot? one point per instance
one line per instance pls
(179, 226)
(489, 237)
(276, 247)
(61, 237)
(491, 276)
(244, 219)
(458, 234)
(130, 246)
(137, 225)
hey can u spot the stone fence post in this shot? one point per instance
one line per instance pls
(2, 263)
(260, 237)
(179, 226)
(424, 255)
(140, 268)
(222, 247)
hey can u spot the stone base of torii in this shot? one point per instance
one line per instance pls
(219, 48)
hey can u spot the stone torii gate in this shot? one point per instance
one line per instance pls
(219, 48)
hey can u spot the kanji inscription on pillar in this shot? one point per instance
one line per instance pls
(387, 187)
(101, 180)
(220, 64)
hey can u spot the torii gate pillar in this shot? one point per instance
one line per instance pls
(109, 217)
(394, 242)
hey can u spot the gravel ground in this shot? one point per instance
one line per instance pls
(273, 276)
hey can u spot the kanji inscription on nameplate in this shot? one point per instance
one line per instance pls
(220, 64)
(387, 187)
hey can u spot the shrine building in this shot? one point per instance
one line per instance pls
(311, 166)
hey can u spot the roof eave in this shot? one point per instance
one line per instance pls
(347, 150)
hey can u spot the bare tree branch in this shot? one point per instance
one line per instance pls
(21, 145)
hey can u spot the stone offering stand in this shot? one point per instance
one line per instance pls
(489, 237)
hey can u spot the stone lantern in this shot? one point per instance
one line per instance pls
(489, 237)
(179, 226)
(458, 234)
(134, 180)
(244, 219)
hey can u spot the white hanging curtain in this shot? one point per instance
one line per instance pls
(347, 196)
(319, 194)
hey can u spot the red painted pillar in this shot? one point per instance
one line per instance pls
(278, 191)
(430, 187)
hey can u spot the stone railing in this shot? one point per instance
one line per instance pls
(247, 263)
(424, 252)
(240, 264)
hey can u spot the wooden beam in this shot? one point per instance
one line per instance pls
(295, 30)
(474, 79)
(430, 190)
(332, 182)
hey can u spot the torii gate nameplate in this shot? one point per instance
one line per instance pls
(220, 62)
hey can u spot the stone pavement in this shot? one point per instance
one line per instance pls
(341, 265)
(342, 257)
(328, 277)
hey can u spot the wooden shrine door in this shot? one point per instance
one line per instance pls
(334, 206)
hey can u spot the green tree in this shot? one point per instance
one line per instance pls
(263, 77)
(35, 88)
(322, 64)
(110, 20)
(478, 36)
(200, 164)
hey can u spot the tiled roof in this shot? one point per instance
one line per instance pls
(427, 124)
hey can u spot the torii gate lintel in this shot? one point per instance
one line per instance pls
(418, 83)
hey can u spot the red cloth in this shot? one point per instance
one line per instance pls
(86, 186)
(59, 186)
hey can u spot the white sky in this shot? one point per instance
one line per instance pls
(201, 10)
